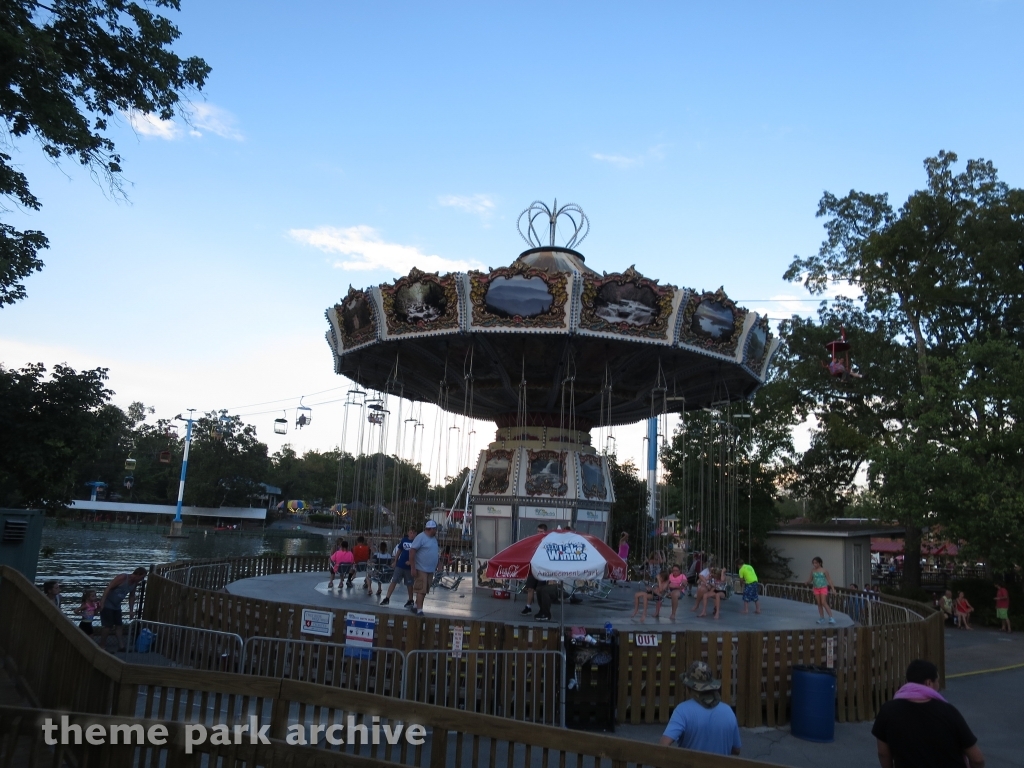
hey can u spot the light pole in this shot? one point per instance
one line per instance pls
(176, 523)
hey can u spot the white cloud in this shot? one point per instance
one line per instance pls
(481, 205)
(218, 121)
(149, 124)
(367, 250)
(204, 117)
(619, 161)
(623, 162)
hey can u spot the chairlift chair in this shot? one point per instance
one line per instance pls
(129, 482)
(129, 464)
(164, 457)
(839, 366)
(281, 426)
(303, 415)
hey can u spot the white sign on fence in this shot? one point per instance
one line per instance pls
(457, 632)
(647, 641)
(830, 652)
(359, 632)
(317, 622)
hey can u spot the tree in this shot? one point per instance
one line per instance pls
(69, 67)
(936, 323)
(47, 427)
(226, 463)
(629, 510)
(128, 435)
(725, 473)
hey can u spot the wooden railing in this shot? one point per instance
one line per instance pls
(61, 669)
(755, 667)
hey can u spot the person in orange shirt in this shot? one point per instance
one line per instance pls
(361, 555)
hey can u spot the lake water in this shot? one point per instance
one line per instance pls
(89, 559)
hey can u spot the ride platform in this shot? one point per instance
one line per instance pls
(310, 590)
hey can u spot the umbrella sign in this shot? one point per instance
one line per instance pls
(557, 555)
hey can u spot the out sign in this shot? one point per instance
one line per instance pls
(647, 641)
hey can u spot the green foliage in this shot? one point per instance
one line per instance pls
(362, 483)
(69, 67)
(226, 463)
(47, 426)
(129, 436)
(731, 464)
(629, 511)
(936, 321)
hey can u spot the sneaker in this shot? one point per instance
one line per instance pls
(831, 620)
(385, 601)
(543, 618)
(419, 611)
(526, 611)
(410, 603)
(820, 621)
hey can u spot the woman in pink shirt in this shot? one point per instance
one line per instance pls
(341, 562)
(676, 585)
(624, 546)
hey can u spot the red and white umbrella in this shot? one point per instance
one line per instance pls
(557, 555)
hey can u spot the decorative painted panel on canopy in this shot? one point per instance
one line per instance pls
(547, 473)
(355, 319)
(712, 323)
(497, 472)
(420, 304)
(628, 304)
(519, 297)
(760, 347)
(595, 482)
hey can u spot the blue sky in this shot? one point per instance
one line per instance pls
(337, 143)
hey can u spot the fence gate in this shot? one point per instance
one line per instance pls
(519, 685)
(369, 670)
(180, 646)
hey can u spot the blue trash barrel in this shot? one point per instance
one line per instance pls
(813, 704)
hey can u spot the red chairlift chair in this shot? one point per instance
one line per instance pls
(839, 366)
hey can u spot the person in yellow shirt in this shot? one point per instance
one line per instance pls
(746, 573)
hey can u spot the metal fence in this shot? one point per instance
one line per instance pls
(864, 608)
(372, 670)
(519, 685)
(180, 646)
(209, 576)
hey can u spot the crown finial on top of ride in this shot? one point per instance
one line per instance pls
(539, 210)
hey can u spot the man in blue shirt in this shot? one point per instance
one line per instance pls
(703, 723)
(423, 557)
(402, 573)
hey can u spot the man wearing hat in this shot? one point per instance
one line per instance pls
(703, 722)
(423, 556)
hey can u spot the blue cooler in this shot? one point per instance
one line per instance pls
(813, 704)
(144, 641)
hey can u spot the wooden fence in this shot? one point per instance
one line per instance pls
(755, 667)
(64, 672)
